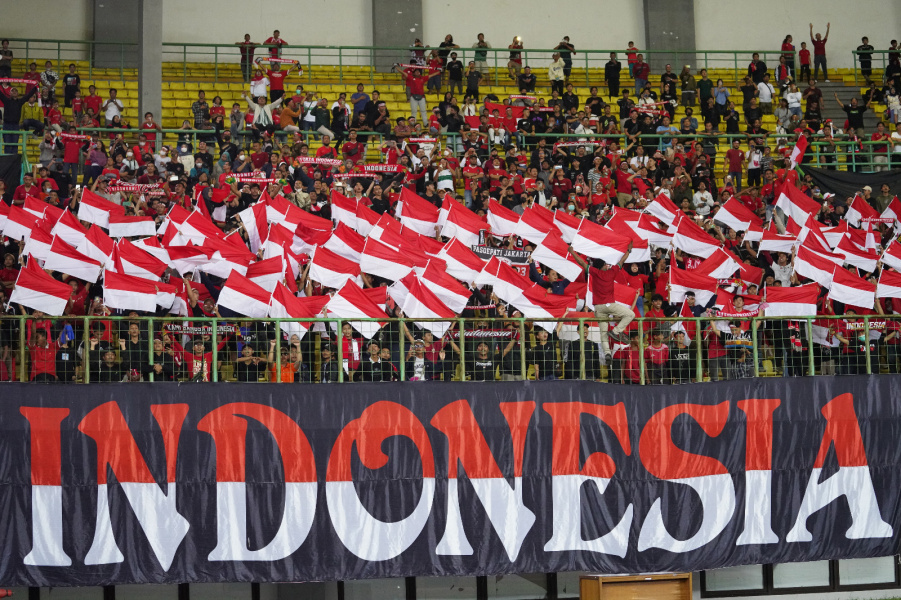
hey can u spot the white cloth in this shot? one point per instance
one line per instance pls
(793, 99)
(766, 92)
(113, 109)
(258, 86)
(555, 71)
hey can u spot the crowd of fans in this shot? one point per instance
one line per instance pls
(625, 165)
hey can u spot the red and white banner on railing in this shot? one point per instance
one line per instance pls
(315, 160)
(381, 168)
(18, 80)
(74, 137)
(135, 188)
(522, 97)
(354, 175)
(577, 143)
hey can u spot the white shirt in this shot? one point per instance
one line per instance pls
(766, 92)
(753, 157)
(258, 87)
(896, 140)
(113, 109)
(702, 201)
(793, 99)
(638, 162)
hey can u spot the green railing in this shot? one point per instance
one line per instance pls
(103, 56)
(878, 64)
(708, 348)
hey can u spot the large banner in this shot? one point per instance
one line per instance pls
(156, 483)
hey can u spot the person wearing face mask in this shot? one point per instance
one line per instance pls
(242, 163)
(129, 164)
(162, 159)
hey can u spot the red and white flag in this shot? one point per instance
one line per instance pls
(501, 219)
(224, 259)
(421, 303)
(463, 224)
(154, 247)
(127, 226)
(366, 219)
(796, 204)
(664, 209)
(37, 290)
(42, 210)
(833, 235)
(891, 257)
(539, 303)
(889, 285)
(71, 231)
(332, 270)
(346, 242)
(39, 242)
(462, 262)
(135, 261)
(417, 213)
(19, 223)
(750, 275)
(244, 297)
(344, 209)
(815, 266)
(682, 281)
(798, 151)
(554, 253)
(4, 214)
(800, 301)
(127, 292)
(267, 273)
(567, 224)
(722, 264)
(599, 242)
(853, 290)
(688, 327)
(893, 211)
(508, 285)
(285, 305)
(736, 215)
(646, 228)
(535, 223)
(255, 225)
(306, 239)
(443, 285)
(775, 242)
(860, 210)
(66, 259)
(384, 261)
(96, 209)
(388, 231)
(690, 238)
(97, 245)
(854, 256)
(184, 259)
(350, 302)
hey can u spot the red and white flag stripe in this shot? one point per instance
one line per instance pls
(37, 290)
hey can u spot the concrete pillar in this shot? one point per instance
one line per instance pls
(669, 25)
(150, 59)
(394, 23)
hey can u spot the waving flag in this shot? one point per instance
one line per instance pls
(421, 303)
(332, 270)
(800, 301)
(815, 266)
(153, 247)
(689, 327)
(851, 289)
(255, 225)
(346, 242)
(462, 262)
(647, 229)
(38, 243)
(664, 209)
(681, 281)
(97, 245)
(463, 224)
(599, 242)
(244, 297)
(134, 261)
(719, 265)
(37, 290)
(690, 238)
(285, 305)
(184, 259)
(538, 303)
(366, 219)
(96, 209)
(66, 259)
(891, 256)
(798, 151)
(388, 231)
(19, 223)
(854, 256)
(554, 253)
(128, 292)
(68, 229)
(860, 210)
(796, 204)
(351, 303)
(384, 261)
(535, 223)
(889, 285)
(775, 242)
(735, 215)
(417, 213)
(567, 224)
(443, 285)
(508, 285)
(126, 226)
(267, 273)
(501, 219)
(344, 209)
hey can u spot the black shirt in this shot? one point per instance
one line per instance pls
(248, 371)
(611, 70)
(570, 100)
(455, 70)
(472, 79)
(669, 82)
(527, 82)
(855, 115)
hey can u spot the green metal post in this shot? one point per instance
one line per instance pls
(641, 366)
(340, 353)
(811, 363)
(215, 341)
(91, 56)
(754, 347)
(22, 352)
(215, 64)
(582, 335)
(151, 326)
(122, 61)
(462, 328)
(699, 359)
(866, 341)
(402, 356)
(309, 65)
(587, 80)
(854, 57)
(86, 343)
(278, 353)
(340, 66)
(523, 369)
(184, 64)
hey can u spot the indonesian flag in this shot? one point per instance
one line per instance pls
(796, 204)
(443, 285)
(19, 223)
(567, 224)
(346, 242)
(184, 259)
(37, 290)
(278, 239)
(306, 239)
(833, 235)
(421, 303)
(97, 245)
(682, 281)
(38, 244)
(267, 273)
(388, 231)
(176, 216)
(689, 328)
(891, 257)
(889, 285)
(814, 266)
(647, 229)
(798, 301)
(352, 303)
(641, 249)
(126, 226)
(197, 228)
(245, 297)
(366, 219)
(462, 262)
(690, 238)
(379, 295)
(775, 242)
(135, 261)
(664, 209)
(539, 303)
(851, 289)
(858, 210)
(384, 261)
(570, 329)
(344, 209)
(535, 223)
(153, 246)
(507, 283)
(624, 216)
(223, 260)
(66, 259)
(417, 213)
(754, 233)
(127, 292)
(893, 211)
(750, 275)
(332, 270)
(97, 209)
(255, 225)
(719, 265)
(285, 305)
(4, 214)
(599, 242)
(854, 256)
(736, 215)
(71, 231)
(463, 224)
(501, 219)
(39, 208)
(554, 253)
(798, 151)
(312, 222)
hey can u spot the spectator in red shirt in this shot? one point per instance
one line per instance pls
(804, 59)
(354, 149)
(277, 81)
(819, 52)
(276, 43)
(736, 159)
(416, 82)
(28, 188)
(93, 100)
(43, 358)
(247, 48)
(641, 71)
(656, 357)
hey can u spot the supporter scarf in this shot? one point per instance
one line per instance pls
(72, 136)
(380, 168)
(252, 177)
(522, 97)
(878, 220)
(420, 67)
(568, 144)
(353, 175)
(137, 188)
(746, 313)
(15, 80)
(278, 60)
(422, 140)
(315, 160)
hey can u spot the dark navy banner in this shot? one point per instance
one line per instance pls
(157, 483)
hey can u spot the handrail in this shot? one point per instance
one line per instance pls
(757, 346)
(882, 59)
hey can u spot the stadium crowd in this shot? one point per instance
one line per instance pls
(601, 208)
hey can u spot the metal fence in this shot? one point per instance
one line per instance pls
(652, 351)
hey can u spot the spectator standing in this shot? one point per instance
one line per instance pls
(275, 42)
(454, 68)
(480, 56)
(71, 84)
(48, 80)
(514, 65)
(788, 52)
(689, 86)
(865, 56)
(566, 50)
(611, 75)
(200, 110)
(12, 114)
(112, 108)
(819, 52)
(473, 80)
(641, 71)
(804, 60)
(555, 74)
(6, 59)
(247, 49)
(765, 93)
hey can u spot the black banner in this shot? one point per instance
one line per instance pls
(164, 483)
(847, 183)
